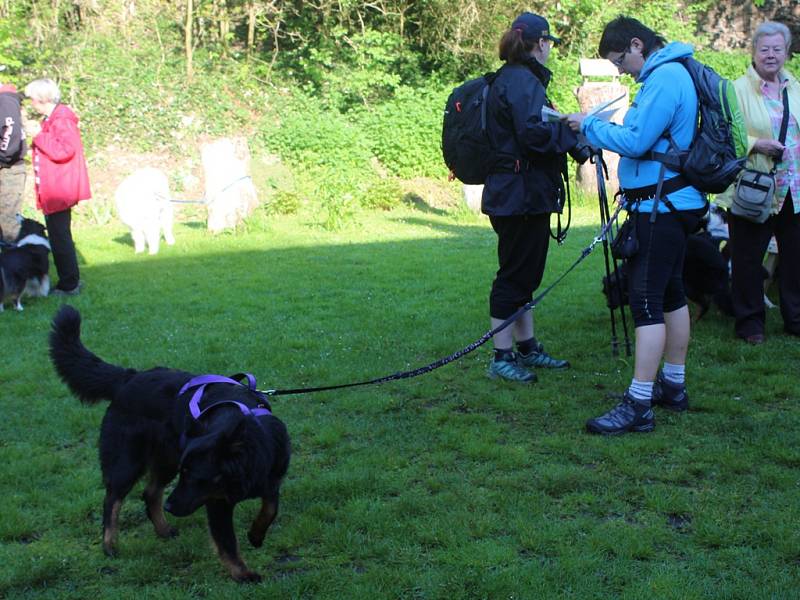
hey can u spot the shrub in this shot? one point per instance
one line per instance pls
(405, 132)
(306, 136)
(336, 192)
(284, 202)
(383, 194)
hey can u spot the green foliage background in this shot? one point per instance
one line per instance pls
(345, 95)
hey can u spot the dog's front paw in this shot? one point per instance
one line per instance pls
(256, 540)
(168, 533)
(246, 576)
(110, 551)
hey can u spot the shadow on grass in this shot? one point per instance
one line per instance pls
(411, 295)
(418, 203)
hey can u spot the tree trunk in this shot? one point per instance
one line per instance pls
(188, 40)
(251, 25)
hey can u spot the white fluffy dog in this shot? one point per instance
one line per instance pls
(143, 204)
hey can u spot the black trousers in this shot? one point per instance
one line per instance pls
(59, 233)
(522, 242)
(749, 242)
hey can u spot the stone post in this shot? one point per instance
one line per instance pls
(590, 94)
(230, 193)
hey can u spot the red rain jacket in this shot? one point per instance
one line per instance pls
(59, 164)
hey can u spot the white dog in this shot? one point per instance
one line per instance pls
(143, 204)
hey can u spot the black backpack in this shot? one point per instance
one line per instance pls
(719, 148)
(12, 135)
(467, 150)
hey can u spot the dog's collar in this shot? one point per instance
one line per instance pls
(33, 240)
(201, 381)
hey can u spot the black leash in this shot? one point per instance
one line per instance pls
(467, 349)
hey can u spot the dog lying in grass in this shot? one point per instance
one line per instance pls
(24, 265)
(218, 433)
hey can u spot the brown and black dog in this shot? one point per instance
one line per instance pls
(220, 435)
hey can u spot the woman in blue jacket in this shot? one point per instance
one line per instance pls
(665, 104)
(524, 188)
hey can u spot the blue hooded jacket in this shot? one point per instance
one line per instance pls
(666, 101)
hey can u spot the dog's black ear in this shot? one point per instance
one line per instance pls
(194, 427)
(232, 440)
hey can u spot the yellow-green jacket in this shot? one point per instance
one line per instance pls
(756, 119)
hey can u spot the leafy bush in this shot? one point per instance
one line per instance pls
(351, 70)
(153, 108)
(336, 191)
(383, 194)
(731, 65)
(284, 202)
(405, 133)
(306, 136)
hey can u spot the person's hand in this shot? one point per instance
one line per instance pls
(31, 127)
(575, 120)
(769, 147)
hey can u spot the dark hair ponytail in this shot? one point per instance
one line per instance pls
(513, 49)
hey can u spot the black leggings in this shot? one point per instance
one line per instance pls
(522, 242)
(655, 274)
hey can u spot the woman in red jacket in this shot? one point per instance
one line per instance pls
(61, 177)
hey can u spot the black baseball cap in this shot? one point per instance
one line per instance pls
(533, 27)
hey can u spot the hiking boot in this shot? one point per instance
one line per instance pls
(510, 370)
(57, 291)
(626, 416)
(670, 395)
(540, 358)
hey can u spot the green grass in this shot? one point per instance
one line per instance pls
(449, 485)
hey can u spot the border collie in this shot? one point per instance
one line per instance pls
(24, 265)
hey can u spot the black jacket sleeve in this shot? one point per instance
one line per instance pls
(12, 136)
(534, 136)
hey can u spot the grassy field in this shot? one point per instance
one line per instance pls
(446, 486)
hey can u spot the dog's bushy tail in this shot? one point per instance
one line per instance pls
(90, 378)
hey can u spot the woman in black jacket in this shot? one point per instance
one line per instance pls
(522, 191)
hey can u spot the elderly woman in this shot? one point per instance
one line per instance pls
(62, 179)
(760, 92)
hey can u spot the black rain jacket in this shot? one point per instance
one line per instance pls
(514, 123)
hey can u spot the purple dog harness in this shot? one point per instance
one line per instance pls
(200, 382)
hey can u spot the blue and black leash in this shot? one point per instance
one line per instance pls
(467, 349)
(204, 200)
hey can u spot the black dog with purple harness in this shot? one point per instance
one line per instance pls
(222, 439)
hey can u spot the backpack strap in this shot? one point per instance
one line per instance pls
(784, 128)
(489, 77)
(662, 169)
(674, 158)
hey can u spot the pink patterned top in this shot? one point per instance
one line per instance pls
(787, 175)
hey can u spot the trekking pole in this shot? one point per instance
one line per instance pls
(600, 171)
(617, 275)
(616, 289)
